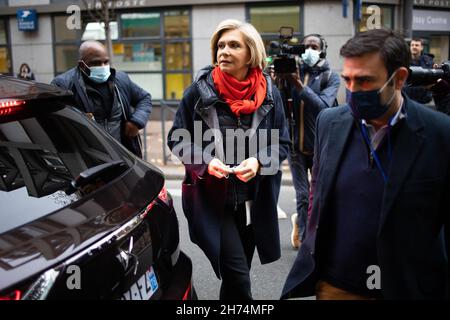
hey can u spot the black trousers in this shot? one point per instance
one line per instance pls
(237, 247)
(300, 164)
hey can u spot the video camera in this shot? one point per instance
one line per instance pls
(284, 54)
(419, 76)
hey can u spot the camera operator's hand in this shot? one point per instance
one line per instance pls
(293, 79)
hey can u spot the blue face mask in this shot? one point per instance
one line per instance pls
(98, 74)
(311, 57)
(367, 104)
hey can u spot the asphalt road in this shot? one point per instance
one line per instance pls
(267, 280)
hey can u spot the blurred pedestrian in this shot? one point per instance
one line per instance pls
(25, 72)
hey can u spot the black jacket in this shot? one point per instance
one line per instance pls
(319, 93)
(202, 194)
(415, 207)
(137, 102)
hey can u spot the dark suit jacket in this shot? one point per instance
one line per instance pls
(415, 206)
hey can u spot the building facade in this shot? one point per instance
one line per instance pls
(162, 44)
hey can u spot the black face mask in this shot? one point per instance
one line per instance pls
(367, 104)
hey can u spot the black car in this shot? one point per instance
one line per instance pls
(80, 216)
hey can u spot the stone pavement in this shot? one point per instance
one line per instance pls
(172, 169)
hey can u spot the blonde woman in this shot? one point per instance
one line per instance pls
(232, 180)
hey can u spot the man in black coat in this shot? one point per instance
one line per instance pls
(108, 96)
(380, 186)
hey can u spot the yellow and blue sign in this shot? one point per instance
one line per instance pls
(27, 20)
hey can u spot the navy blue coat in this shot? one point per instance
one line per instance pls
(318, 94)
(203, 195)
(415, 206)
(137, 102)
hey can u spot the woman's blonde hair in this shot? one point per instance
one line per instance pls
(252, 39)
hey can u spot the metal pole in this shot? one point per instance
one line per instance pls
(145, 142)
(407, 18)
(163, 130)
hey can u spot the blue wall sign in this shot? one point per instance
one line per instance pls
(27, 20)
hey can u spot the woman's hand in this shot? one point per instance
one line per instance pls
(247, 170)
(218, 169)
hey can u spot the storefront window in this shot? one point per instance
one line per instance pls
(436, 48)
(175, 85)
(270, 19)
(66, 57)
(3, 35)
(151, 82)
(176, 24)
(140, 25)
(5, 57)
(178, 56)
(153, 48)
(375, 16)
(96, 31)
(137, 56)
(62, 33)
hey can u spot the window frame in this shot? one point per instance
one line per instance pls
(161, 39)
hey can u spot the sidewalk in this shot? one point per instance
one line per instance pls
(173, 170)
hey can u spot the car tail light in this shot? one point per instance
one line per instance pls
(8, 106)
(36, 288)
(162, 195)
(14, 295)
(187, 294)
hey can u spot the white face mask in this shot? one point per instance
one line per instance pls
(311, 57)
(98, 74)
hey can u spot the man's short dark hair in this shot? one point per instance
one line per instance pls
(393, 49)
(418, 40)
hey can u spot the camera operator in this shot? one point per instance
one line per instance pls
(314, 87)
(437, 80)
(420, 94)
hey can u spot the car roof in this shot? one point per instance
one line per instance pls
(14, 88)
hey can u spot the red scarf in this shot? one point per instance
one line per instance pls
(243, 97)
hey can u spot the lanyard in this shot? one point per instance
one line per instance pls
(372, 149)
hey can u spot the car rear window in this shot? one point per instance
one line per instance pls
(41, 155)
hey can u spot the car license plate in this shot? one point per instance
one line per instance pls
(144, 288)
